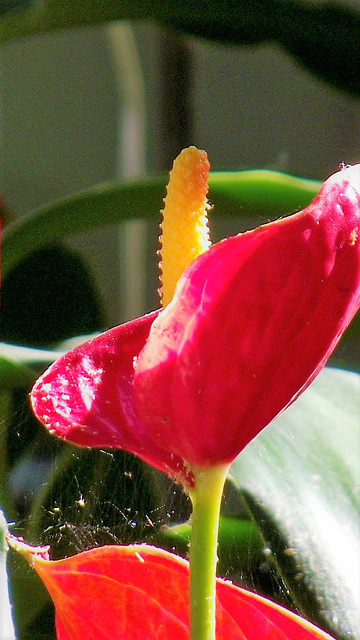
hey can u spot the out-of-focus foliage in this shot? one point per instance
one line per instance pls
(324, 37)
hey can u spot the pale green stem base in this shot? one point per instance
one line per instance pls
(206, 499)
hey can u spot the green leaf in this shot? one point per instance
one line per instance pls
(240, 543)
(36, 291)
(302, 477)
(14, 364)
(29, 355)
(6, 624)
(323, 37)
(29, 598)
(247, 193)
(15, 374)
(24, 18)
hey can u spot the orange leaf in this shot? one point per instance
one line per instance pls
(139, 591)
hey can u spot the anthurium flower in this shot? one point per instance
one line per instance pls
(139, 591)
(252, 322)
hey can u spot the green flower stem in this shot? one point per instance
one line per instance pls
(206, 500)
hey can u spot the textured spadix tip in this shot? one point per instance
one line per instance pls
(185, 232)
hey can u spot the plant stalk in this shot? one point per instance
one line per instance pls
(206, 500)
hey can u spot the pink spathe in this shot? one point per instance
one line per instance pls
(252, 322)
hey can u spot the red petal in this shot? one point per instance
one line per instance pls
(86, 396)
(253, 321)
(139, 591)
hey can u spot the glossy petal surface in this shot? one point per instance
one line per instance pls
(253, 321)
(86, 396)
(139, 591)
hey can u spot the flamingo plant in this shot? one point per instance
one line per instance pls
(245, 326)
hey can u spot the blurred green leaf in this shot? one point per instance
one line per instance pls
(29, 597)
(323, 37)
(38, 289)
(28, 355)
(14, 365)
(240, 543)
(6, 499)
(15, 374)
(6, 624)
(302, 477)
(259, 193)
(243, 194)
(9, 5)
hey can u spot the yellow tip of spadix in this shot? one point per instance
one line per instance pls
(185, 232)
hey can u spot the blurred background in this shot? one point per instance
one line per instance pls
(98, 103)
